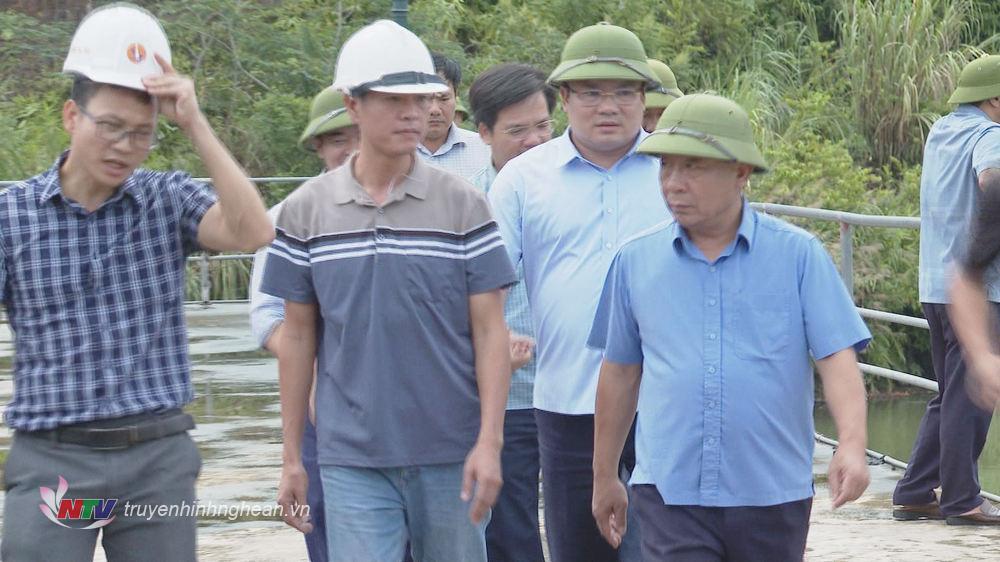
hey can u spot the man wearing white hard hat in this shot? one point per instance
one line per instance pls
(393, 274)
(92, 260)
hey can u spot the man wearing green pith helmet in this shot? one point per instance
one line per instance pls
(333, 137)
(718, 313)
(563, 208)
(658, 98)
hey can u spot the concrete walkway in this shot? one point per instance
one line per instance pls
(860, 531)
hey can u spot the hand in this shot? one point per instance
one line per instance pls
(482, 472)
(848, 475)
(521, 349)
(610, 508)
(292, 497)
(175, 95)
(984, 382)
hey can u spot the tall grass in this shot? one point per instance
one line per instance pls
(900, 60)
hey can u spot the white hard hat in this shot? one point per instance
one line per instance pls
(386, 57)
(114, 44)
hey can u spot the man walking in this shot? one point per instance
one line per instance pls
(512, 106)
(962, 148)
(563, 208)
(716, 313)
(332, 135)
(92, 263)
(393, 274)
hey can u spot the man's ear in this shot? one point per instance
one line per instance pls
(485, 134)
(69, 113)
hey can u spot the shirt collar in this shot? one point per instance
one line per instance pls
(969, 109)
(566, 151)
(745, 233)
(347, 189)
(52, 186)
(453, 139)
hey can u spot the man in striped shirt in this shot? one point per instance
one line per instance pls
(393, 274)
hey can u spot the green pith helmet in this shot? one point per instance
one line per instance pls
(980, 80)
(667, 91)
(326, 114)
(603, 52)
(705, 126)
(460, 108)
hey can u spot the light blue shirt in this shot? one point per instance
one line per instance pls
(726, 400)
(266, 311)
(959, 147)
(563, 218)
(463, 153)
(517, 313)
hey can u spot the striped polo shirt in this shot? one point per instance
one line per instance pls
(396, 381)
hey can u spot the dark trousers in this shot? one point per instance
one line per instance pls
(566, 447)
(513, 534)
(952, 432)
(316, 539)
(691, 533)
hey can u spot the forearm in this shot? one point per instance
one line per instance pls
(492, 351)
(239, 202)
(617, 398)
(295, 377)
(844, 392)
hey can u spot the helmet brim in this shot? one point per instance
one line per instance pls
(965, 94)
(580, 70)
(658, 100)
(662, 142)
(322, 125)
(130, 81)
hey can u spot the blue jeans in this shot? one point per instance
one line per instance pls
(513, 534)
(316, 539)
(372, 512)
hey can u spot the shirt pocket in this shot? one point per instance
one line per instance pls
(434, 279)
(759, 328)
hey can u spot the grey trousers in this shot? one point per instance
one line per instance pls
(154, 473)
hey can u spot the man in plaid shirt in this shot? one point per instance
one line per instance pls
(92, 262)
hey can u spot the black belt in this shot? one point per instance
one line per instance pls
(146, 428)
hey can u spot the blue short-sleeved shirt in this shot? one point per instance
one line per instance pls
(563, 218)
(959, 147)
(95, 299)
(396, 380)
(726, 400)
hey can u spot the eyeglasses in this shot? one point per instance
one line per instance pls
(621, 96)
(113, 132)
(522, 131)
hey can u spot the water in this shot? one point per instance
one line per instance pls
(892, 428)
(236, 409)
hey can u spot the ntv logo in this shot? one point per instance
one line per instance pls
(57, 507)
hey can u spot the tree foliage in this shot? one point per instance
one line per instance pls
(841, 92)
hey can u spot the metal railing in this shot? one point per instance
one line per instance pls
(847, 222)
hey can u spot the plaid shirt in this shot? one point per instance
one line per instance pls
(517, 313)
(95, 300)
(463, 153)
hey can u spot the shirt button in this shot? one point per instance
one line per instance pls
(711, 269)
(607, 178)
(710, 404)
(381, 211)
(711, 302)
(710, 441)
(711, 336)
(610, 211)
(608, 245)
(711, 368)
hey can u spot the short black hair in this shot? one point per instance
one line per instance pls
(448, 68)
(504, 85)
(84, 89)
